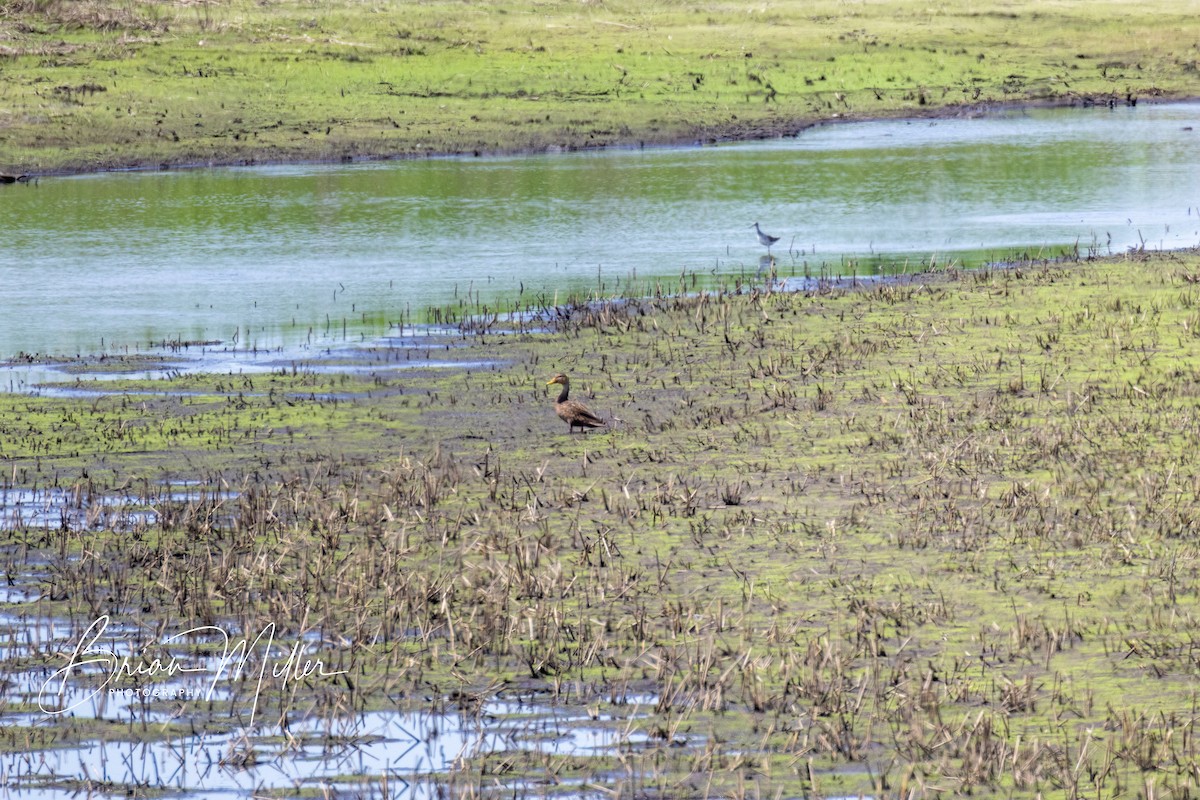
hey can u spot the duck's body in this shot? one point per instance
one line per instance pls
(573, 412)
(765, 238)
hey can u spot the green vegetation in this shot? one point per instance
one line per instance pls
(927, 537)
(94, 84)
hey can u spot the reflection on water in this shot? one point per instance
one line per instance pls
(179, 712)
(384, 358)
(153, 734)
(304, 256)
(314, 754)
(79, 510)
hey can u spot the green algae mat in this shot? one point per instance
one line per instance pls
(925, 537)
(96, 84)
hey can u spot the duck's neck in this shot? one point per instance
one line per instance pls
(562, 396)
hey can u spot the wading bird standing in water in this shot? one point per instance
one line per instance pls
(573, 412)
(765, 238)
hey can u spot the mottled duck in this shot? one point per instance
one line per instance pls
(573, 412)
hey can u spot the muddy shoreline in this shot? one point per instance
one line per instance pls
(721, 133)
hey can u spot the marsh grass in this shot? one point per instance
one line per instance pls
(115, 83)
(927, 536)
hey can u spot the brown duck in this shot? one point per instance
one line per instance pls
(573, 412)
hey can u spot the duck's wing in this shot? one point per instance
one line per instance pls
(580, 414)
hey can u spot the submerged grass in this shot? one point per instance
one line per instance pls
(923, 537)
(118, 83)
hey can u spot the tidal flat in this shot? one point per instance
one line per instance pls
(925, 536)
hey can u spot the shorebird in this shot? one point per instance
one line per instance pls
(765, 238)
(573, 412)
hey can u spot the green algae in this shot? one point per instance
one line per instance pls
(935, 533)
(101, 84)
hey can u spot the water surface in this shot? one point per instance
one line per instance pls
(299, 257)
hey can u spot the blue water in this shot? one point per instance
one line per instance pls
(294, 258)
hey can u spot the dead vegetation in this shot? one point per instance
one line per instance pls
(928, 537)
(90, 15)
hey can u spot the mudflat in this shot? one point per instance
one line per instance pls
(95, 84)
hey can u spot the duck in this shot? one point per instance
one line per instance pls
(573, 412)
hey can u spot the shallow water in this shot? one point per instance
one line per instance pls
(134, 681)
(334, 754)
(295, 259)
(72, 510)
(364, 753)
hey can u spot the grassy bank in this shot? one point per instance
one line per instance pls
(914, 539)
(114, 83)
